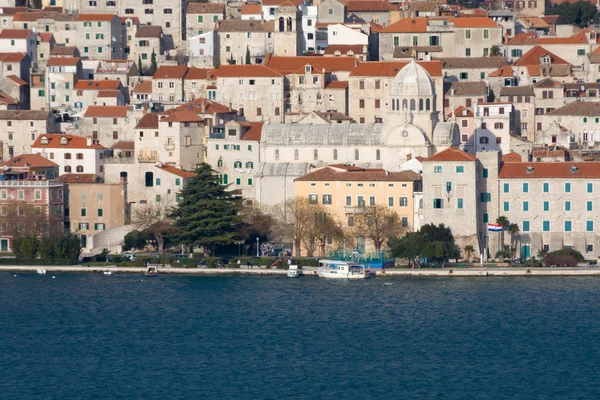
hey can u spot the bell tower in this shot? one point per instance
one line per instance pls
(287, 33)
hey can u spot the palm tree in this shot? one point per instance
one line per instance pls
(514, 230)
(505, 223)
(469, 249)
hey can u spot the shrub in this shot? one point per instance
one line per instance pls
(560, 261)
(568, 252)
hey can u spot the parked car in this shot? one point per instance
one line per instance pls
(130, 257)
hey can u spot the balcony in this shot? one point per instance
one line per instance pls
(147, 159)
(22, 183)
(119, 160)
(217, 135)
(169, 146)
(354, 210)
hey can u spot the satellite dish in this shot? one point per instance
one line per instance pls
(151, 105)
(221, 121)
(114, 39)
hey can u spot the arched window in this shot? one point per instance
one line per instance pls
(276, 155)
(397, 104)
(378, 154)
(335, 154)
(296, 155)
(427, 104)
(393, 104)
(413, 105)
(123, 176)
(68, 168)
(225, 180)
(79, 168)
(237, 164)
(404, 104)
(420, 104)
(316, 154)
(249, 164)
(281, 24)
(356, 154)
(149, 179)
(220, 163)
(289, 24)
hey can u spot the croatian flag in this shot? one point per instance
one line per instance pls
(494, 228)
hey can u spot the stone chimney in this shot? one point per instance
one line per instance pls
(89, 141)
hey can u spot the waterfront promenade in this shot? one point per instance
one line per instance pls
(310, 271)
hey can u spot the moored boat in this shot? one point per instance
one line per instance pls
(41, 271)
(294, 271)
(333, 269)
(151, 270)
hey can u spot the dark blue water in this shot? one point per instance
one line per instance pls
(131, 337)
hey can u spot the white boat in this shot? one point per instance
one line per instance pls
(41, 271)
(294, 272)
(151, 270)
(341, 270)
(108, 272)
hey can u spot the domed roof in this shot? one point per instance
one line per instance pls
(412, 80)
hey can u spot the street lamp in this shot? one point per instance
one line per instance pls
(257, 247)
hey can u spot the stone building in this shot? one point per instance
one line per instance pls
(19, 41)
(288, 31)
(73, 154)
(202, 17)
(20, 128)
(167, 84)
(87, 93)
(100, 36)
(107, 124)
(236, 38)
(148, 41)
(62, 73)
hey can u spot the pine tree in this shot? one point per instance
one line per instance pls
(208, 214)
(248, 55)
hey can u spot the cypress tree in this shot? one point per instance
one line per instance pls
(153, 64)
(207, 214)
(140, 65)
(248, 55)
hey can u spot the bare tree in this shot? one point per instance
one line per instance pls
(30, 219)
(378, 223)
(293, 221)
(154, 218)
(255, 224)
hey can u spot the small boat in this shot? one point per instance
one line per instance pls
(333, 269)
(41, 271)
(108, 272)
(294, 272)
(151, 271)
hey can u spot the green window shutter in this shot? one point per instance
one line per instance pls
(200, 18)
(177, 181)
(546, 206)
(249, 181)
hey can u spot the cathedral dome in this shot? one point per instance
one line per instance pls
(413, 80)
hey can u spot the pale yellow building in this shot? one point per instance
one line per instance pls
(346, 191)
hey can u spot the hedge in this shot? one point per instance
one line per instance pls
(38, 261)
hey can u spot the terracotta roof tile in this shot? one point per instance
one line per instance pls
(473, 62)
(258, 71)
(45, 36)
(148, 121)
(176, 171)
(517, 91)
(255, 131)
(420, 24)
(511, 157)
(12, 57)
(337, 85)
(96, 17)
(200, 73)
(206, 8)
(578, 108)
(170, 72)
(465, 89)
(15, 33)
(345, 49)
(97, 85)
(524, 38)
(181, 116)
(289, 65)
(204, 106)
(62, 61)
(370, 5)
(503, 72)
(106, 112)
(281, 2)
(72, 141)
(461, 111)
(343, 174)
(7, 100)
(239, 25)
(452, 154)
(143, 87)
(13, 10)
(251, 9)
(17, 80)
(391, 68)
(24, 115)
(550, 170)
(123, 145)
(29, 160)
(149, 31)
(532, 57)
(80, 178)
(109, 93)
(59, 50)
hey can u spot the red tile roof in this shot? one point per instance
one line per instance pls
(124, 145)
(148, 121)
(391, 68)
(452, 154)
(181, 116)
(550, 170)
(524, 38)
(370, 5)
(420, 24)
(511, 157)
(205, 8)
(255, 131)
(12, 57)
(345, 49)
(17, 80)
(73, 141)
(243, 71)
(15, 33)
(97, 85)
(281, 2)
(291, 65)
(251, 9)
(532, 57)
(109, 93)
(80, 178)
(45, 36)
(505, 72)
(200, 73)
(106, 111)
(29, 160)
(143, 87)
(176, 171)
(170, 72)
(96, 17)
(344, 174)
(204, 106)
(337, 85)
(62, 61)
(463, 112)
(579, 109)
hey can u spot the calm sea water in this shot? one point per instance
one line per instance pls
(131, 337)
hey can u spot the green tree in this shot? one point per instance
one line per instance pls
(208, 214)
(469, 250)
(248, 55)
(514, 230)
(255, 224)
(140, 65)
(231, 60)
(434, 242)
(153, 64)
(494, 51)
(505, 223)
(580, 13)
